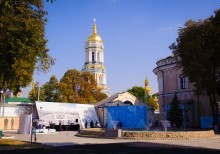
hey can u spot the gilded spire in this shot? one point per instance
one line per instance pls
(147, 87)
(94, 26)
(94, 36)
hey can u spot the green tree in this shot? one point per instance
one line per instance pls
(140, 93)
(175, 113)
(22, 42)
(33, 94)
(99, 95)
(51, 90)
(198, 46)
(80, 87)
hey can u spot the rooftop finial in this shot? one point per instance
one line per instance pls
(94, 26)
(94, 21)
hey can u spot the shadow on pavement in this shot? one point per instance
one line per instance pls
(131, 147)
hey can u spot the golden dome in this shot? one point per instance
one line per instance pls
(147, 87)
(94, 36)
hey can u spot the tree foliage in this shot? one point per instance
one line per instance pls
(33, 94)
(198, 46)
(51, 90)
(140, 93)
(80, 87)
(22, 42)
(153, 101)
(74, 87)
(175, 113)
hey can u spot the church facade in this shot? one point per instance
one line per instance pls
(94, 59)
(196, 111)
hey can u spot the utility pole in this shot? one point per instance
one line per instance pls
(38, 96)
(3, 102)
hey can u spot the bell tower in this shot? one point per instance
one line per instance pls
(94, 59)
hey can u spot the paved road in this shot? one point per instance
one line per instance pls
(67, 142)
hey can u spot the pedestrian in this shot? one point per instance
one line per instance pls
(60, 126)
(91, 124)
(86, 124)
(12, 123)
(6, 124)
(96, 123)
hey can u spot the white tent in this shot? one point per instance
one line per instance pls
(25, 124)
(66, 112)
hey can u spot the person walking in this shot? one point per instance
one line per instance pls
(86, 124)
(60, 126)
(91, 124)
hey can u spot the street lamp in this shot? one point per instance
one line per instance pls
(38, 92)
(3, 102)
(163, 98)
(103, 115)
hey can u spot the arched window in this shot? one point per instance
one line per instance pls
(93, 57)
(183, 82)
(127, 103)
(100, 80)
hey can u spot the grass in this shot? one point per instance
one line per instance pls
(15, 144)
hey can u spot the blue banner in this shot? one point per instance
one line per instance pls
(127, 117)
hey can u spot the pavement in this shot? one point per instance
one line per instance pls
(69, 138)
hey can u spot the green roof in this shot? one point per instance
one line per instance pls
(18, 99)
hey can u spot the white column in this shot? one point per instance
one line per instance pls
(100, 56)
(104, 79)
(86, 56)
(95, 55)
(95, 76)
(90, 56)
(101, 79)
(103, 56)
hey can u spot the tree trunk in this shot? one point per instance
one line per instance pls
(214, 107)
(216, 125)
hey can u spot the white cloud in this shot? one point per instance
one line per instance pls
(179, 25)
(169, 28)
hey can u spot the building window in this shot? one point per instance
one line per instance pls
(183, 82)
(93, 57)
(100, 80)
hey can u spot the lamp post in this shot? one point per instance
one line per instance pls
(103, 114)
(3, 102)
(38, 93)
(164, 102)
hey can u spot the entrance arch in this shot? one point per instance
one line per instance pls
(127, 102)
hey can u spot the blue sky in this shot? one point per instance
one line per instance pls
(136, 34)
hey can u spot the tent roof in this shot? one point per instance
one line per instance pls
(18, 99)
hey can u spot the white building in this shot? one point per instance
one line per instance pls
(118, 99)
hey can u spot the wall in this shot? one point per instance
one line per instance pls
(9, 123)
(168, 73)
(132, 117)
